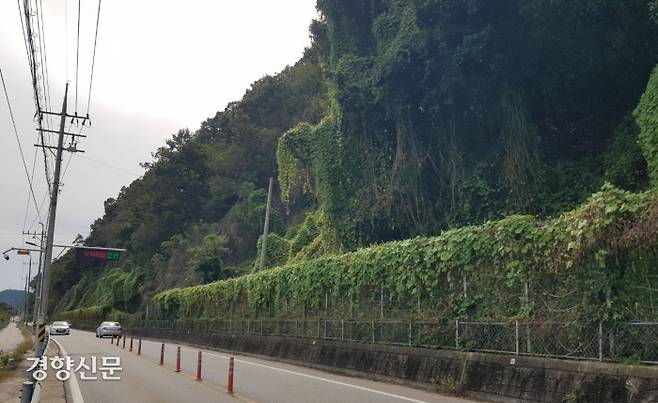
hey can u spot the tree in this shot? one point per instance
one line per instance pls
(207, 259)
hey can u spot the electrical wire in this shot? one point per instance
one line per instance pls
(44, 55)
(26, 27)
(29, 199)
(109, 166)
(18, 140)
(93, 57)
(77, 60)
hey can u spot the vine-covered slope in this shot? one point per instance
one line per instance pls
(464, 126)
(594, 252)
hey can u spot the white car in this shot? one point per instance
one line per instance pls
(108, 329)
(60, 328)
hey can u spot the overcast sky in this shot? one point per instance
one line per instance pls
(160, 66)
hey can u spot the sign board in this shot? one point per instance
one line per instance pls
(23, 252)
(98, 254)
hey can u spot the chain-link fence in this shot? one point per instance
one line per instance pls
(628, 342)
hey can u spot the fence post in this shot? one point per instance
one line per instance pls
(457, 334)
(342, 329)
(526, 293)
(611, 335)
(372, 324)
(381, 303)
(516, 336)
(248, 327)
(318, 328)
(351, 306)
(600, 341)
(410, 331)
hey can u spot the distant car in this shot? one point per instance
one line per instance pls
(60, 328)
(108, 329)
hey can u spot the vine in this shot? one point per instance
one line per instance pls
(581, 251)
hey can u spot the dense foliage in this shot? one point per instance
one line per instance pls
(572, 264)
(452, 112)
(203, 189)
(489, 123)
(647, 118)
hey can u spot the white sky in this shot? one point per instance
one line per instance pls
(160, 66)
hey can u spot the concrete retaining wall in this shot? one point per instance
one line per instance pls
(490, 377)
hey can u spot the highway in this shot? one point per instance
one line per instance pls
(256, 380)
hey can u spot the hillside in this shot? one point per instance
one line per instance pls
(13, 298)
(403, 119)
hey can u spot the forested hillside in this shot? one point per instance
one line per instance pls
(404, 119)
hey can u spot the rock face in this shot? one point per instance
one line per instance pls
(504, 378)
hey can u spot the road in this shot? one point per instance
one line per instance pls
(10, 337)
(256, 380)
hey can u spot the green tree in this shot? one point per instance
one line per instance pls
(207, 259)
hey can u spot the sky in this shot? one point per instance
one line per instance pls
(160, 66)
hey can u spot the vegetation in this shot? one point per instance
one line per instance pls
(422, 147)
(584, 253)
(10, 360)
(5, 314)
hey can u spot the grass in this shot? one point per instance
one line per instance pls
(9, 361)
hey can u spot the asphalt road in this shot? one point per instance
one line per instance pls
(256, 380)
(10, 337)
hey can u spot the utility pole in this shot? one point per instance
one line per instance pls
(266, 227)
(27, 289)
(52, 214)
(25, 293)
(38, 288)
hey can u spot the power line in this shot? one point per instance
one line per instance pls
(18, 139)
(109, 166)
(77, 60)
(44, 53)
(93, 57)
(27, 205)
(26, 27)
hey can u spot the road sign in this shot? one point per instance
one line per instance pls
(23, 252)
(98, 254)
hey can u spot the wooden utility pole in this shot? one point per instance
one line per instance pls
(266, 227)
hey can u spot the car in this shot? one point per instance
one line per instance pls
(109, 329)
(60, 328)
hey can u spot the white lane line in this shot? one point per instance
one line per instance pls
(76, 394)
(349, 385)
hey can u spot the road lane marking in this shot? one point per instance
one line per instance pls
(205, 382)
(76, 394)
(318, 378)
